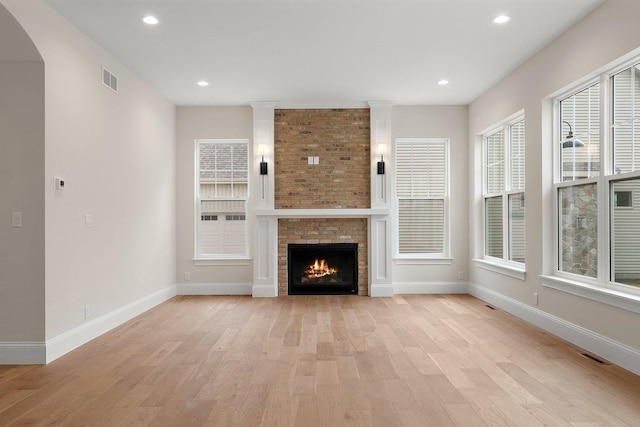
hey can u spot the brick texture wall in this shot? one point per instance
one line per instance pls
(341, 140)
(323, 230)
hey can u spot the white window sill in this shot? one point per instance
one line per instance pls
(596, 293)
(424, 261)
(222, 261)
(511, 270)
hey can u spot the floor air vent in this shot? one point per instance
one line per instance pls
(488, 306)
(595, 359)
(109, 80)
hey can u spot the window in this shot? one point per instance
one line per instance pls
(579, 148)
(504, 183)
(623, 199)
(592, 190)
(422, 186)
(221, 192)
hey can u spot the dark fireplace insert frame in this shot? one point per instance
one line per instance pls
(342, 255)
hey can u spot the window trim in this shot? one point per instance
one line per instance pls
(219, 259)
(503, 265)
(601, 288)
(426, 258)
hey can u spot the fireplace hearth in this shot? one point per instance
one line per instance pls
(323, 269)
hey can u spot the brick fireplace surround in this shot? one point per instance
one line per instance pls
(327, 202)
(340, 139)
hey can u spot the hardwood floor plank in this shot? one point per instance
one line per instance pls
(408, 360)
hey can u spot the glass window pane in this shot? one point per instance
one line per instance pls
(420, 169)
(221, 230)
(517, 155)
(578, 229)
(493, 224)
(495, 162)
(625, 233)
(516, 227)
(626, 120)
(421, 226)
(580, 114)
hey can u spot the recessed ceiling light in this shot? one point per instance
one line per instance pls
(443, 82)
(149, 19)
(203, 83)
(501, 19)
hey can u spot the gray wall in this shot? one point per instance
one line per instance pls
(22, 256)
(205, 123)
(116, 153)
(437, 122)
(605, 35)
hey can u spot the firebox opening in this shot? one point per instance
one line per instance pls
(323, 269)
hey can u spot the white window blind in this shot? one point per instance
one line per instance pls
(626, 120)
(421, 191)
(580, 113)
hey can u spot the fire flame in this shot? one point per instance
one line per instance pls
(319, 269)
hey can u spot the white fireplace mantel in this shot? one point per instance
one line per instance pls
(265, 269)
(321, 213)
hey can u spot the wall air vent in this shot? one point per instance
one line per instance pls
(109, 80)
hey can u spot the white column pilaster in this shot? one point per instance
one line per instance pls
(380, 112)
(265, 235)
(380, 254)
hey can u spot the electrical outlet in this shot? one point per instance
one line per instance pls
(460, 275)
(187, 276)
(86, 312)
(535, 298)
(88, 220)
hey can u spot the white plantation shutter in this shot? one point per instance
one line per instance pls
(421, 189)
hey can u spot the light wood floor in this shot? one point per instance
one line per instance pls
(330, 360)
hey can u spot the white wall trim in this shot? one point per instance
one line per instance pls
(264, 291)
(584, 290)
(74, 338)
(380, 290)
(614, 351)
(23, 353)
(430, 287)
(214, 289)
(505, 268)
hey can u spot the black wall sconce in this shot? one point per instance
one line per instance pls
(381, 149)
(264, 166)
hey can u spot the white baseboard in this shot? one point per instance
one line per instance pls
(74, 338)
(381, 290)
(214, 289)
(264, 291)
(23, 353)
(613, 351)
(430, 288)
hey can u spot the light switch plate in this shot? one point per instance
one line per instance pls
(16, 219)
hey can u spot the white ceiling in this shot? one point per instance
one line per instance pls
(337, 53)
